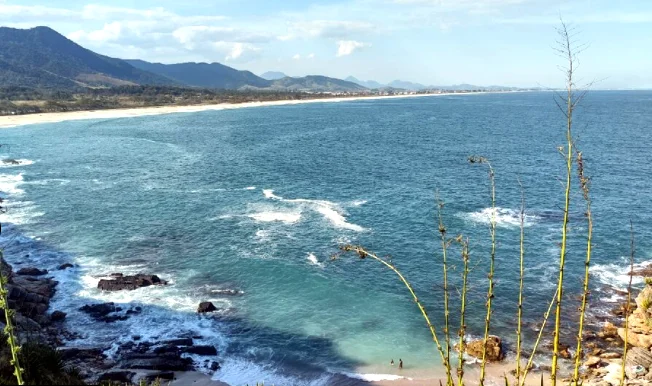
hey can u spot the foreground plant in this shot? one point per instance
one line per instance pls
(9, 327)
(444, 247)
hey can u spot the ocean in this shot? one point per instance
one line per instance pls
(247, 207)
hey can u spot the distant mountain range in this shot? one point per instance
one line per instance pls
(405, 85)
(42, 58)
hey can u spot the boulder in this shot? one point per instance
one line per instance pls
(32, 271)
(495, 351)
(65, 266)
(637, 356)
(117, 376)
(79, 353)
(158, 362)
(167, 349)
(119, 283)
(592, 361)
(10, 161)
(58, 316)
(215, 366)
(200, 350)
(103, 311)
(206, 307)
(178, 342)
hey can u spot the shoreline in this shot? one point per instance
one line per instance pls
(9, 121)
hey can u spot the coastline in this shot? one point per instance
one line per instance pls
(9, 121)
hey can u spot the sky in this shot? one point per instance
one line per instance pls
(433, 42)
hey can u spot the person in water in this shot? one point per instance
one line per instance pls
(400, 364)
(391, 363)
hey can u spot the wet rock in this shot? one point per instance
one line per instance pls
(206, 307)
(215, 366)
(592, 361)
(117, 376)
(159, 362)
(200, 350)
(163, 375)
(32, 271)
(65, 266)
(79, 353)
(178, 342)
(129, 282)
(494, 352)
(167, 349)
(58, 316)
(10, 161)
(103, 312)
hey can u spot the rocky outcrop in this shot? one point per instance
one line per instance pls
(206, 307)
(640, 321)
(200, 350)
(120, 282)
(108, 312)
(31, 271)
(495, 351)
(122, 377)
(64, 266)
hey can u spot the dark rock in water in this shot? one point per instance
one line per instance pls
(206, 307)
(200, 350)
(215, 366)
(58, 316)
(65, 266)
(101, 312)
(32, 271)
(134, 310)
(169, 348)
(129, 282)
(117, 376)
(135, 337)
(158, 362)
(10, 161)
(116, 275)
(178, 342)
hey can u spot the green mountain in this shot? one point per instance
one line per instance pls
(206, 75)
(315, 83)
(42, 58)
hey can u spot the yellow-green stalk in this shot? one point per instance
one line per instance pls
(520, 289)
(567, 50)
(490, 291)
(584, 185)
(528, 366)
(462, 331)
(362, 253)
(444, 247)
(629, 300)
(9, 328)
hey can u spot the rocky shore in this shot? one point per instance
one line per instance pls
(29, 292)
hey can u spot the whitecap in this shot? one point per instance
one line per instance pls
(357, 203)
(269, 193)
(250, 188)
(616, 275)
(270, 216)
(375, 377)
(312, 259)
(236, 371)
(9, 184)
(503, 217)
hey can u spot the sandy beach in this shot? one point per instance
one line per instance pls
(30, 119)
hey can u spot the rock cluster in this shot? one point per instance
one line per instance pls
(121, 282)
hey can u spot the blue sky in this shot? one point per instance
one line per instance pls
(438, 42)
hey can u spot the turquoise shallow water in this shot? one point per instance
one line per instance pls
(257, 200)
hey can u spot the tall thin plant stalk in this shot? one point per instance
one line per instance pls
(462, 330)
(9, 327)
(629, 300)
(585, 187)
(567, 106)
(444, 247)
(519, 322)
(492, 257)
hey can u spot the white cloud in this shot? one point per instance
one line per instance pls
(311, 56)
(327, 29)
(347, 47)
(237, 51)
(296, 57)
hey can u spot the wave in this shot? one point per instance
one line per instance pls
(504, 217)
(9, 184)
(237, 371)
(617, 275)
(250, 188)
(330, 210)
(11, 163)
(20, 212)
(375, 377)
(312, 259)
(286, 217)
(357, 203)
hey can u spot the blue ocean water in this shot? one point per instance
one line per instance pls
(257, 201)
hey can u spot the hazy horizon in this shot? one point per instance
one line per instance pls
(432, 42)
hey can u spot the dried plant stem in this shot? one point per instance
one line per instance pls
(444, 247)
(546, 316)
(9, 328)
(364, 254)
(462, 331)
(629, 299)
(585, 186)
(567, 50)
(520, 288)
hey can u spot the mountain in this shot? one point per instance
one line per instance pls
(368, 84)
(315, 83)
(206, 75)
(273, 75)
(406, 85)
(40, 57)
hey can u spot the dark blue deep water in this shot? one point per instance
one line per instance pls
(257, 200)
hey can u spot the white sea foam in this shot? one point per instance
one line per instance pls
(20, 162)
(270, 216)
(250, 188)
(375, 377)
(504, 217)
(330, 210)
(617, 275)
(9, 184)
(236, 371)
(358, 203)
(312, 259)
(20, 212)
